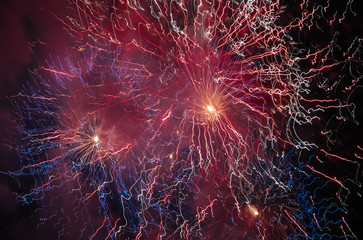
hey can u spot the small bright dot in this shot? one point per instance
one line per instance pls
(96, 139)
(211, 109)
(253, 210)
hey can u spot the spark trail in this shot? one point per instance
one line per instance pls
(193, 120)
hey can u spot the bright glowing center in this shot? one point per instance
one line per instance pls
(254, 210)
(96, 139)
(211, 109)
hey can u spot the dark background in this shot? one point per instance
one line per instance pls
(23, 25)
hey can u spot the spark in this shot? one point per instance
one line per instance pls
(253, 210)
(211, 109)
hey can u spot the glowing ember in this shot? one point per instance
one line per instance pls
(211, 109)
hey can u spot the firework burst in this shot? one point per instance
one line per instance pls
(187, 120)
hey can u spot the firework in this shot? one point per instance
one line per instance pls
(188, 120)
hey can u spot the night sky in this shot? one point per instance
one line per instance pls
(24, 26)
